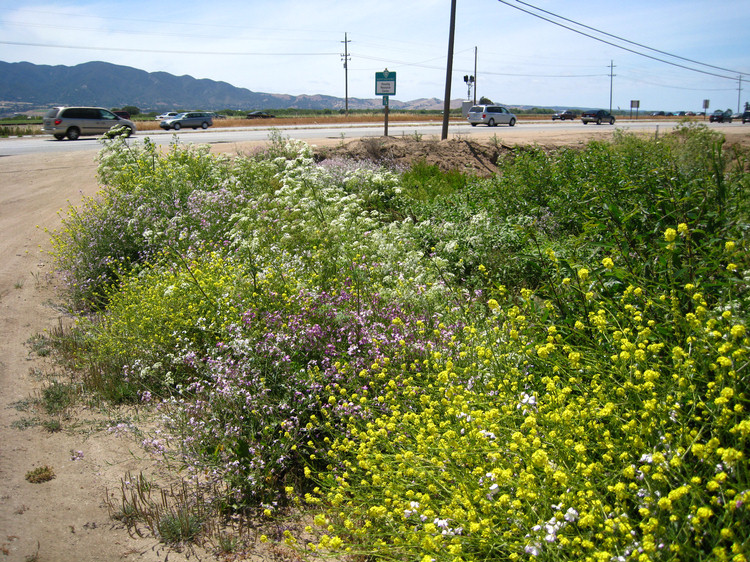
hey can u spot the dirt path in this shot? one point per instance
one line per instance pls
(66, 519)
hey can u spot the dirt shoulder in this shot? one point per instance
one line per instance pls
(67, 518)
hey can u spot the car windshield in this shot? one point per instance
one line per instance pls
(477, 109)
(180, 115)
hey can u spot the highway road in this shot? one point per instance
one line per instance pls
(523, 132)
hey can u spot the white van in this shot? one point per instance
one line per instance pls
(72, 122)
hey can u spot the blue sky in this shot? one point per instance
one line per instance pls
(296, 46)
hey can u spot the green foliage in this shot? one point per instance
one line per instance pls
(549, 363)
(57, 397)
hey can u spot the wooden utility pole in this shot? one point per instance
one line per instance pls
(449, 72)
(345, 58)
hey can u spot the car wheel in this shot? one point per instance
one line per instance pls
(491, 123)
(584, 122)
(599, 121)
(512, 122)
(612, 121)
(59, 137)
(176, 126)
(204, 125)
(73, 133)
(473, 124)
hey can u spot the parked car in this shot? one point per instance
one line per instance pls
(658, 114)
(491, 115)
(168, 115)
(73, 122)
(563, 115)
(745, 117)
(192, 119)
(123, 114)
(720, 116)
(259, 115)
(597, 116)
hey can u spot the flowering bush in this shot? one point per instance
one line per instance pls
(550, 364)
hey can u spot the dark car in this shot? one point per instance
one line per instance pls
(720, 116)
(259, 115)
(563, 115)
(122, 114)
(597, 116)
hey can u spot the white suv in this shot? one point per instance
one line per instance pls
(491, 115)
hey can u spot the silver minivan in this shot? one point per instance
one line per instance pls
(72, 122)
(490, 115)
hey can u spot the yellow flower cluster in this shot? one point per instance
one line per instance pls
(626, 447)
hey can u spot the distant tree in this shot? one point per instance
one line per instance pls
(485, 101)
(133, 110)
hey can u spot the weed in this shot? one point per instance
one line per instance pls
(52, 426)
(178, 526)
(57, 397)
(40, 345)
(23, 405)
(40, 474)
(551, 361)
(25, 423)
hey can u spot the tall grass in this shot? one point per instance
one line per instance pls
(551, 363)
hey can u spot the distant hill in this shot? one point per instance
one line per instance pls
(110, 85)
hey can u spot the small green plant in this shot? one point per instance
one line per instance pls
(178, 526)
(52, 426)
(57, 397)
(40, 345)
(40, 474)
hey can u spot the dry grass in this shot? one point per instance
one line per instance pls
(393, 117)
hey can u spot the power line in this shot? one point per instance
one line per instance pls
(615, 44)
(131, 50)
(628, 40)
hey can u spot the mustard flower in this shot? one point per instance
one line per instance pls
(729, 246)
(682, 228)
(670, 234)
(732, 267)
(608, 263)
(583, 274)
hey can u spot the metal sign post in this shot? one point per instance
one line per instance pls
(385, 85)
(634, 104)
(385, 103)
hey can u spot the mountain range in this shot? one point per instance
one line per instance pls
(23, 84)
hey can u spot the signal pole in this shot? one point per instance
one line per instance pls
(475, 75)
(346, 58)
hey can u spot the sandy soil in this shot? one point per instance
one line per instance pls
(66, 518)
